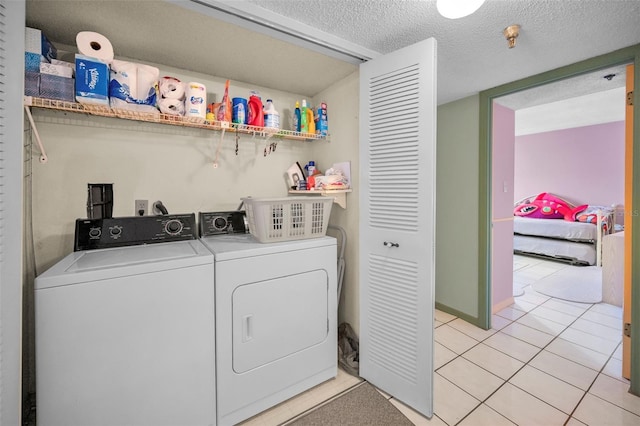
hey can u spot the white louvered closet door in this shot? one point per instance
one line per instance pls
(12, 19)
(397, 223)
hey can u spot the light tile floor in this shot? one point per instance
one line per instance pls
(545, 362)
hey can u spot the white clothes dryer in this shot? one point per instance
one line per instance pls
(125, 335)
(276, 320)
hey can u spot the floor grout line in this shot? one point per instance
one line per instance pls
(555, 337)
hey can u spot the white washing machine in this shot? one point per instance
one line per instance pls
(276, 319)
(125, 335)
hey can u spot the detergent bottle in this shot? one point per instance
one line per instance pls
(296, 117)
(304, 124)
(311, 123)
(256, 114)
(322, 126)
(271, 116)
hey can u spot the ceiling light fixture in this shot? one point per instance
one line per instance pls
(511, 33)
(454, 9)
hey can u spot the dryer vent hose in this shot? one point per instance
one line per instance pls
(159, 207)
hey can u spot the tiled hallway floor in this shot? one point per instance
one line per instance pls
(544, 362)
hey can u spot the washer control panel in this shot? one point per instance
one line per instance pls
(128, 231)
(218, 223)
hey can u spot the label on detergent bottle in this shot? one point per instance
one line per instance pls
(322, 128)
(272, 120)
(271, 116)
(239, 113)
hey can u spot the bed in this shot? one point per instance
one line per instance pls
(575, 238)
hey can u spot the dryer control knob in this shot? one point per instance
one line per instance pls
(115, 231)
(173, 227)
(95, 233)
(220, 223)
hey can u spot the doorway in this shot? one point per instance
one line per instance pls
(567, 139)
(627, 55)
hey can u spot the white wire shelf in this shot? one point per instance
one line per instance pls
(172, 120)
(339, 195)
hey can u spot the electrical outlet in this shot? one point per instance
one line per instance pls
(141, 208)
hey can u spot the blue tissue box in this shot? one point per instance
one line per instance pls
(32, 83)
(32, 61)
(56, 87)
(36, 42)
(92, 80)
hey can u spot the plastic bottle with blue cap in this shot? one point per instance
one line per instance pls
(311, 168)
(271, 116)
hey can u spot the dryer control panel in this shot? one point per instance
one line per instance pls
(137, 230)
(217, 223)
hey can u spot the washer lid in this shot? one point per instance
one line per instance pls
(92, 265)
(235, 246)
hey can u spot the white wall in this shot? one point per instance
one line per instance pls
(342, 108)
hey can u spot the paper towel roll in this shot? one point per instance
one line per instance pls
(94, 45)
(171, 88)
(171, 106)
(133, 86)
(195, 104)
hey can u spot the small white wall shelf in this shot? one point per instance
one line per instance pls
(339, 195)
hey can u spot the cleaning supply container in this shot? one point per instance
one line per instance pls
(311, 168)
(271, 116)
(256, 113)
(304, 124)
(322, 126)
(311, 123)
(239, 114)
(296, 117)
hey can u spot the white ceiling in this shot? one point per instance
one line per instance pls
(584, 100)
(586, 110)
(472, 52)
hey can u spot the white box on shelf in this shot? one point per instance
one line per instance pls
(53, 69)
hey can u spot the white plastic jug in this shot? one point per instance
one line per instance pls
(271, 116)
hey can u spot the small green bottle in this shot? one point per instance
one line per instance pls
(304, 124)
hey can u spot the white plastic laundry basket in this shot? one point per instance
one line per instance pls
(286, 219)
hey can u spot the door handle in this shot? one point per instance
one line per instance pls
(247, 328)
(390, 244)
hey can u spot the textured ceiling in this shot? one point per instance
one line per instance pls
(472, 52)
(578, 86)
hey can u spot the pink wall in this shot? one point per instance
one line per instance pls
(503, 145)
(583, 165)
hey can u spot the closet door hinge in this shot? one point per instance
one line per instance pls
(627, 329)
(630, 98)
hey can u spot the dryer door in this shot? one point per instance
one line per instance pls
(278, 317)
(276, 324)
